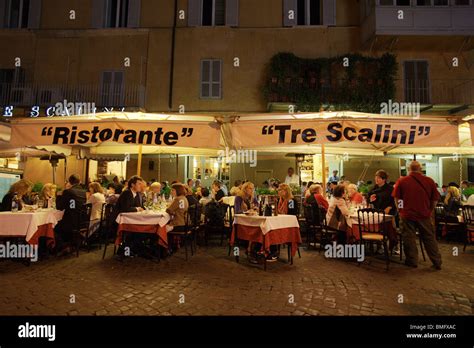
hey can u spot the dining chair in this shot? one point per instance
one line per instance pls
(107, 226)
(372, 229)
(185, 233)
(316, 226)
(468, 216)
(80, 226)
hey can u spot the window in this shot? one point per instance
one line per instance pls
(394, 2)
(116, 13)
(213, 12)
(462, 2)
(211, 79)
(417, 83)
(112, 88)
(17, 13)
(431, 2)
(309, 12)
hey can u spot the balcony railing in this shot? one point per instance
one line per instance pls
(44, 95)
(334, 91)
(438, 91)
(424, 20)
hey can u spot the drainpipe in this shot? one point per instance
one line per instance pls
(173, 42)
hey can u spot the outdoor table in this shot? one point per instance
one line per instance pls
(30, 224)
(144, 222)
(267, 230)
(353, 234)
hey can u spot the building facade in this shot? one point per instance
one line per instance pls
(211, 56)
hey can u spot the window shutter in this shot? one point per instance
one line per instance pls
(216, 79)
(232, 13)
(289, 13)
(98, 13)
(194, 13)
(34, 15)
(3, 13)
(329, 12)
(134, 13)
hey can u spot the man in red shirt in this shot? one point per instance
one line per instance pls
(416, 196)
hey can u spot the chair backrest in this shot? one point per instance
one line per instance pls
(371, 221)
(108, 214)
(313, 215)
(81, 217)
(468, 214)
(193, 215)
(215, 214)
(440, 212)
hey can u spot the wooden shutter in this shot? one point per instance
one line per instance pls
(194, 13)
(329, 12)
(34, 14)
(98, 13)
(232, 13)
(216, 79)
(3, 13)
(134, 13)
(288, 6)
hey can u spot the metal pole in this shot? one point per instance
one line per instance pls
(323, 165)
(139, 163)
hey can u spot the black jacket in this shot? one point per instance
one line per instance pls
(384, 198)
(65, 202)
(126, 203)
(7, 202)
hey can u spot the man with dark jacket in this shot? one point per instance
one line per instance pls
(381, 194)
(131, 199)
(72, 200)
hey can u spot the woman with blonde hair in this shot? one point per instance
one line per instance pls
(286, 203)
(95, 197)
(245, 199)
(452, 203)
(48, 193)
(20, 189)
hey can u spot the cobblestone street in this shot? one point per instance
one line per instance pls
(213, 284)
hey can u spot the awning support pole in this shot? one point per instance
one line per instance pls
(323, 165)
(139, 163)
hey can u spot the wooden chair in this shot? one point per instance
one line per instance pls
(468, 216)
(107, 226)
(315, 222)
(442, 219)
(372, 229)
(185, 233)
(80, 227)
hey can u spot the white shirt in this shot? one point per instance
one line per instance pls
(470, 200)
(294, 179)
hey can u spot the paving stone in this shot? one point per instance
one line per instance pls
(213, 284)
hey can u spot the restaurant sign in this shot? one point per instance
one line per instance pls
(124, 132)
(409, 133)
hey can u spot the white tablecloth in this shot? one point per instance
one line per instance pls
(267, 223)
(144, 218)
(27, 223)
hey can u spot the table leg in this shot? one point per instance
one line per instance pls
(264, 255)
